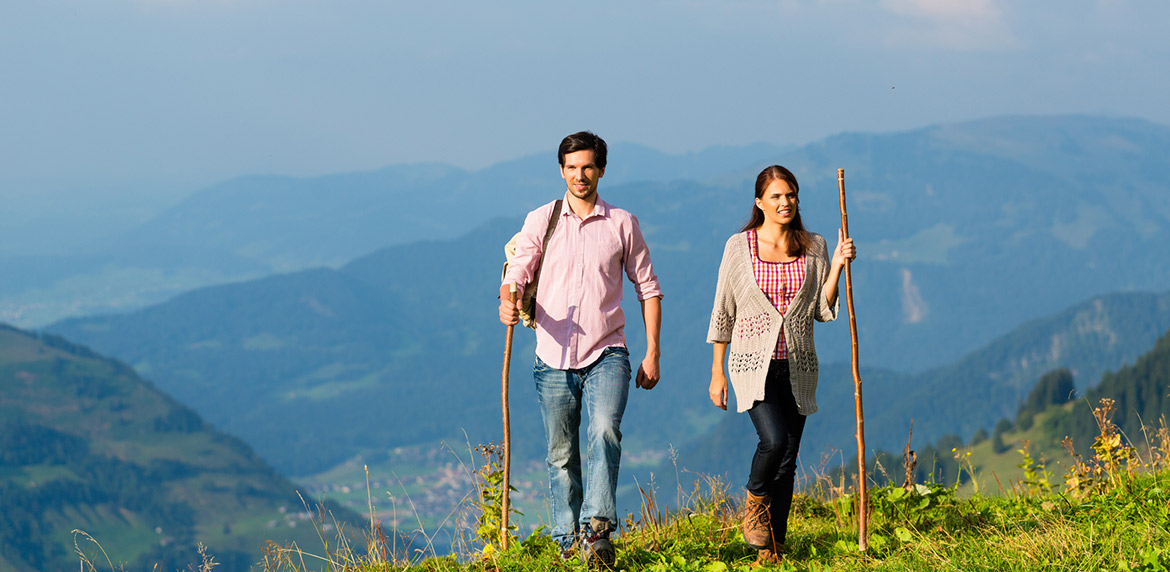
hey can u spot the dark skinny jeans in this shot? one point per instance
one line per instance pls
(779, 425)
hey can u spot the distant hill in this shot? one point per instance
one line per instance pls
(1141, 393)
(966, 231)
(87, 444)
(252, 226)
(375, 349)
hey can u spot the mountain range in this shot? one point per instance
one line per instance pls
(252, 226)
(965, 232)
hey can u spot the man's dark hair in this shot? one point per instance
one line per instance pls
(583, 141)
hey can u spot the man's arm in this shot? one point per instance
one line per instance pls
(648, 374)
(523, 264)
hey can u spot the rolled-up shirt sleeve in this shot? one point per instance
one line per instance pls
(522, 267)
(639, 269)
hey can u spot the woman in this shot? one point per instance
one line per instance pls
(774, 280)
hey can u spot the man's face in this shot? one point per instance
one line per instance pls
(581, 174)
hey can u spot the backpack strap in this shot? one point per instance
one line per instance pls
(552, 225)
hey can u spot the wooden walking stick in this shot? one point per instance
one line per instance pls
(862, 474)
(507, 484)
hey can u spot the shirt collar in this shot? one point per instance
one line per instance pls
(600, 208)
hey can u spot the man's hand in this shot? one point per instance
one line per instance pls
(648, 375)
(509, 310)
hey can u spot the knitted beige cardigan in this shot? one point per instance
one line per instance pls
(745, 317)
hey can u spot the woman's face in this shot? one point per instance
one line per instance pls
(778, 203)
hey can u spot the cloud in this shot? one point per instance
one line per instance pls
(961, 25)
(946, 10)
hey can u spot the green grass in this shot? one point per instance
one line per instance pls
(42, 473)
(1126, 528)
(1120, 522)
(1118, 518)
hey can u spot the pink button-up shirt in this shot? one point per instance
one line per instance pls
(578, 306)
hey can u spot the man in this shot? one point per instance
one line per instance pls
(581, 355)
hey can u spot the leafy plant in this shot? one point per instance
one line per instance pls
(489, 484)
(915, 505)
(1112, 457)
(1036, 475)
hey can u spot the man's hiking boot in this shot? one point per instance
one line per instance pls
(757, 522)
(570, 552)
(595, 545)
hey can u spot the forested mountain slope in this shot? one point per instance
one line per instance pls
(87, 444)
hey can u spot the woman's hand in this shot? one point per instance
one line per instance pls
(844, 251)
(718, 390)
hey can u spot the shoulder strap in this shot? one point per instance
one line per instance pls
(552, 225)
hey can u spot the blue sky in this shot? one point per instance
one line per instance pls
(161, 97)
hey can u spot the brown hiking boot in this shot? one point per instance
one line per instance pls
(757, 522)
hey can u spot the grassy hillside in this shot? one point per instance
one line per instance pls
(87, 444)
(1057, 427)
(925, 526)
(1140, 397)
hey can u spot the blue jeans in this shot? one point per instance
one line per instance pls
(605, 387)
(779, 425)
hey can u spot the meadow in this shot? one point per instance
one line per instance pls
(1109, 510)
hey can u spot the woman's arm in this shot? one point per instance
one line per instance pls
(718, 388)
(723, 311)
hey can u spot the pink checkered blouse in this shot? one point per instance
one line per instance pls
(780, 281)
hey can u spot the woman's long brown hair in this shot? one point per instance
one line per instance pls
(799, 239)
